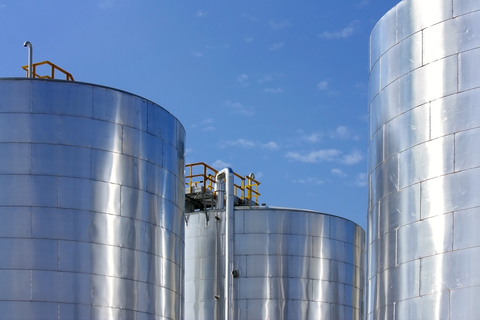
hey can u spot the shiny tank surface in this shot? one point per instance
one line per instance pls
(287, 264)
(91, 204)
(423, 238)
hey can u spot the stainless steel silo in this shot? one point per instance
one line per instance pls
(424, 209)
(91, 203)
(285, 264)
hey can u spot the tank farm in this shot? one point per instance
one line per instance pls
(101, 218)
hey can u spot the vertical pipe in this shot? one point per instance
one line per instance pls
(30, 57)
(227, 174)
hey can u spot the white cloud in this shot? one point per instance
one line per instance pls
(315, 156)
(352, 158)
(248, 39)
(323, 85)
(339, 172)
(273, 90)
(279, 25)
(310, 180)
(270, 145)
(276, 46)
(104, 4)
(242, 79)
(197, 54)
(361, 180)
(239, 142)
(264, 79)
(341, 132)
(362, 3)
(207, 121)
(209, 128)
(219, 164)
(342, 33)
(314, 137)
(238, 108)
(201, 13)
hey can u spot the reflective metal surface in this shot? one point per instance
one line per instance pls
(292, 264)
(424, 168)
(91, 217)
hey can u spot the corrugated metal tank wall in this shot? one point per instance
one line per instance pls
(293, 264)
(424, 210)
(91, 204)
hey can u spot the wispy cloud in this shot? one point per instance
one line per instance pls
(273, 90)
(249, 17)
(342, 33)
(238, 108)
(354, 157)
(201, 13)
(266, 78)
(326, 155)
(309, 180)
(276, 46)
(270, 146)
(362, 4)
(361, 180)
(313, 137)
(104, 4)
(242, 79)
(322, 85)
(342, 132)
(3, 6)
(339, 173)
(248, 39)
(219, 164)
(277, 25)
(315, 156)
(248, 144)
(197, 54)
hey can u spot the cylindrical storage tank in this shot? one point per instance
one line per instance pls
(424, 164)
(91, 203)
(288, 263)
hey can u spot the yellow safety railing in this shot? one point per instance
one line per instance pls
(201, 174)
(68, 76)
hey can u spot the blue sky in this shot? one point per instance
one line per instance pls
(277, 88)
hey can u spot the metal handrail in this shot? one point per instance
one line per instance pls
(247, 189)
(68, 76)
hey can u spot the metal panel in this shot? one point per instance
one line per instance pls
(465, 229)
(16, 222)
(399, 209)
(64, 98)
(16, 96)
(266, 309)
(22, 190)
(384, 180)
(469, 69)
(464, 6)
(464, 303)
(60, 160)
(414, 15)
(383, 36)
(450, 193)
(427, 160)
(451, 270)
(430, 82)
(424, 238)
(21, 310)
(57, 286)
(433, 306)
(415, 127)
(374, 82)
(90, 133)
(452, 36)
(142, 145)
(376, 150)
(28, 253)
(14, 285)
(39, 128)
(266, 222)
(466, 152)
(15, 158)
(89, 195)
(161, 124)
(385, 107)
(54, 223)
(402, 58)
(133, 112)
(455, 113)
